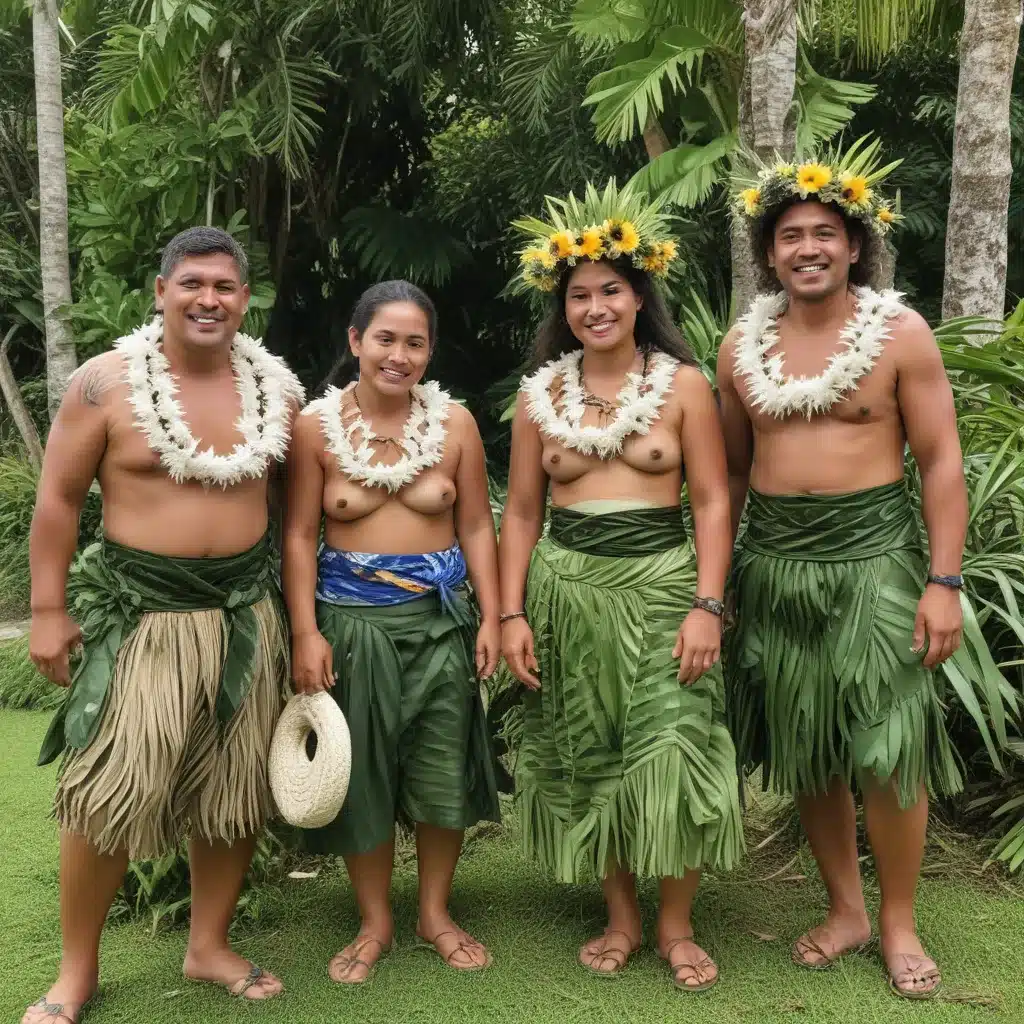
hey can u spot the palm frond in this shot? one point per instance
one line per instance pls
(826, 105)
(611, 22)
(624, 97)
(389, 243)
(685, 176)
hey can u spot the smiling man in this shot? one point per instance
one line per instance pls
(840, 619)
(166, 727)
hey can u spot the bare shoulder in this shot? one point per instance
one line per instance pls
(95, 380)
(307, 429)
(912, 341)
(690, 382)
(727, 355)
(461, 423)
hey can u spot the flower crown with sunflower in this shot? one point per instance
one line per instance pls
(605, 225)
(847, 180)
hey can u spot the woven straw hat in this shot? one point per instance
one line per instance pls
(309, 792)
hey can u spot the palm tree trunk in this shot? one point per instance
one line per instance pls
(655, 140)
(976, 229)
(767, 118)
(61, 360)
(16, 403)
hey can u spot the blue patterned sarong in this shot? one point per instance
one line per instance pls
(361, 577)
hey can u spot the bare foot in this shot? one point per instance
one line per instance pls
(691, 967)
(912, 972)
(838, 935)
(354, 964)
(609, 952)
(456, 947)
(239, 976)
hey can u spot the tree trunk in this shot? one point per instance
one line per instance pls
(19, 411)
(655, 140)
(767, 115)
(976, 229)
(61, 360)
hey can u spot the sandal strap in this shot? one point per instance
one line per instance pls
(241, 987)
(52, 1011)
(612, 953)
(807, 944)
(914, 967)
(698, 967)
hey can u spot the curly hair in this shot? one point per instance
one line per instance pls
(870, 265)
(655, 329)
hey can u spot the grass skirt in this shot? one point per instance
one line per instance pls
(822, 679)
(619, 761)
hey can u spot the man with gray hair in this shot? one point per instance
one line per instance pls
(166, 727)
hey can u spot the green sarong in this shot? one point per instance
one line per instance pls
(420, 745)
(111, 587)
(822, 680)
(620, 763)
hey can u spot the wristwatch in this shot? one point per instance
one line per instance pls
(953, 582)
(709, 604)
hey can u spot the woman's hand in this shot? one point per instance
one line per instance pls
(698, 645)
(312, 663)
(517, 647)
(488, 648)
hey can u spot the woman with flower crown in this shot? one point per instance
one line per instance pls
(382, 618)
(610, 619)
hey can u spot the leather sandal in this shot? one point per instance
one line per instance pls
(55, 1011)
(915, 969)
(698, 968)
(463, 947)
(609, 952)
(346, 961)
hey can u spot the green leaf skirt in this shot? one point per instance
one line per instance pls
(620, 763)
(822, 680)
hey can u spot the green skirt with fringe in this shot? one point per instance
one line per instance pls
(421, 749)
(822, 680)
(619, 762)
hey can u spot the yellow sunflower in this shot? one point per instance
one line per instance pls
(589, 244)
(561, 245)
(812, 177)
(669, 250)
(541, 256)
(855, 190)
(785, 170)
(622, 235)
(751, 201)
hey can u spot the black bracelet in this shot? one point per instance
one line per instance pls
(953, 582)
(709, 604)
(502, 619)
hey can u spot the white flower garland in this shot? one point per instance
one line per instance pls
(638, 404)
(264, 383)
(422, 438)
(774, 392)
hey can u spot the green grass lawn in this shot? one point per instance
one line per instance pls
(533, 927)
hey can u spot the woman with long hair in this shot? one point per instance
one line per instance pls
(611, 622)
(382, 619)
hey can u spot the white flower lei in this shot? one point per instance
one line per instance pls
(422, 438)
(774, 392)
(638, 404)
(264, 383)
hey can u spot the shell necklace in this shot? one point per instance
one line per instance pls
(352, 443)
(776, 393)
(635, 409)
(265, 385)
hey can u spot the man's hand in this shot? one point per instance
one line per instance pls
(939, 621)
(698, 645)
(53, 637)
(312, 663)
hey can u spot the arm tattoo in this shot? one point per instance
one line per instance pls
(94, 381)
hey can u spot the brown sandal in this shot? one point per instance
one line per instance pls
(462, 947)
(346, 961)
(699, 968)
(610, 953)
(805, 944)
(55, 1011)
(914, 970)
